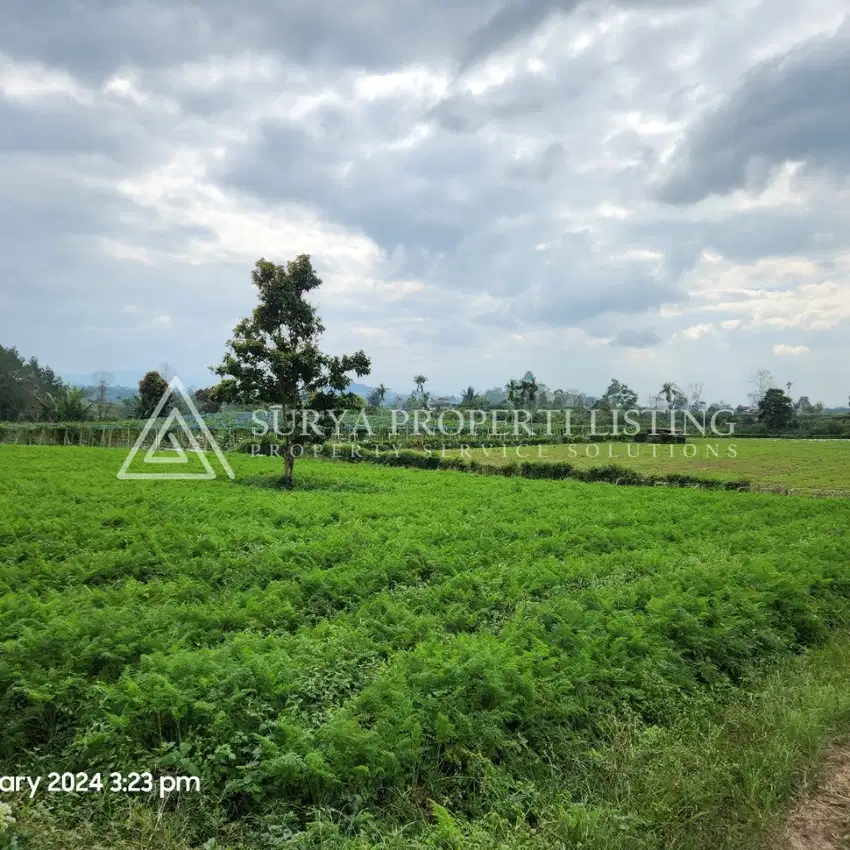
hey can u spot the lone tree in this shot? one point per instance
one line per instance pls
(696, 402)
(151, 389)
(776, 410)
(100, 393)
(673, 396)
(274, 359)
(618, 396)
(761, 382)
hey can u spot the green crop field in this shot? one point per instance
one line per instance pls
(409, 659)
(796, 464)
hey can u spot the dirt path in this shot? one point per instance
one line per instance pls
(821, 820)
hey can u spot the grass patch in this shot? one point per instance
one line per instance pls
(804, 465)
(415, 660)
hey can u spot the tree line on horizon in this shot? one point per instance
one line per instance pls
(274, 357)
(32, 392)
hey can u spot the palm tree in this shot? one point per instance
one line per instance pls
(514, 392)
(420, 381)
(668, 390)
(381, 393)
(69, 404)
(530, 388)
(467, 397)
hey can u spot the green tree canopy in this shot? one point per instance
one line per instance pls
(23, 386)
(67, 404)
(619, 396)
(274, 358)
(776, 410)
(205, 400)
(152, 387)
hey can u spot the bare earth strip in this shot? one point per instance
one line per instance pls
(821, 820)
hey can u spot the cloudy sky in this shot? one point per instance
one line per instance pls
(646, 189)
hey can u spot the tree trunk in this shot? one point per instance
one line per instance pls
(288, 466)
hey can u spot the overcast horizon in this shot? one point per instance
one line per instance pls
(652, 190)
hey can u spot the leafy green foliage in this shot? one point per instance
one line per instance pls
(389, 646)
(618, 396)
(553, 470)
(776, 410)
(23, 383)
(152, 388)
(205, 400)
(67, 404)
(522, 393)
(274, 358)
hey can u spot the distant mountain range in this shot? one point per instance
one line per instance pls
(126, 385)
(365, 391)
(118, 380)
(113, 394)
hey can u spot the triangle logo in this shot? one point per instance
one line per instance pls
(165, 434)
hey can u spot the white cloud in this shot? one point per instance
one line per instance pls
(667, 312)
(776, 293)
(28, 82)
(783, 350)
(606, 210)
(120, 251)
(698, 331)
(642, 354)
(238, 230)
(478, 220)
